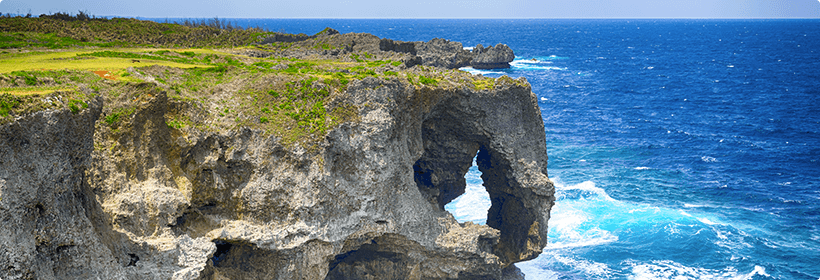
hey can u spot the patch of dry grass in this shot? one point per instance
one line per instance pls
(61, 60)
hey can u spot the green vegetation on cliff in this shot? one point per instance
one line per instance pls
(63, 62)
(62, 30)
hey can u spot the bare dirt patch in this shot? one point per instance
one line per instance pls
(105, 75)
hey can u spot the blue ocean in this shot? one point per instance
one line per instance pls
(680, 149)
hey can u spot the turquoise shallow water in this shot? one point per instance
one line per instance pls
(680, 149)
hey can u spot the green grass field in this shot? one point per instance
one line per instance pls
(294, 99)
(60, 60)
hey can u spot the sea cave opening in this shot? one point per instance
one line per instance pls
(455, 153)
(474, 203)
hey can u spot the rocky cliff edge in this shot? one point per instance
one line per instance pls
(437, 52)
(104, 193)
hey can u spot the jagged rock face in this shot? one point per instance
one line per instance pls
(393, 46)
(45, 232)
(289, 38)
(366, 203)
(436, 52)
(451, 55)
(499, 56)
(444, 53)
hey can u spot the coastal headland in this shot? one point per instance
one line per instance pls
(133, 149)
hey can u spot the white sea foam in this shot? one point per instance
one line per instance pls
(732, 240)
(474, 71)
(753, 209)
(588, 267)
(642, 168)
(672, 270)
(707, 221)
(587, 186)
(572, 238)
(552, 57)
(573, 222)
(585, 216)
(537, 269)
(472, 205)
(687, 205)
(526, 64)
(533, 270)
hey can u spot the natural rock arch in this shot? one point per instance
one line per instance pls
(515, 177)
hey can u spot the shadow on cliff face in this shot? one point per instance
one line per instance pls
(376, 261)
(392, 256)
(242, 260)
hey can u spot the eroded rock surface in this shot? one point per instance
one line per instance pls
(492, 57)
(45, 231)
(364, 203)
(330, 44)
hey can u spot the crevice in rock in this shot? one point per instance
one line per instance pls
(134, 260)
(180, 221)
(207, 206)
(40, 208)
(222, 250)
(194, 223)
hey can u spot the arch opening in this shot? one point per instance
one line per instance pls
(474, 203)
(439, 172)
(451, 149)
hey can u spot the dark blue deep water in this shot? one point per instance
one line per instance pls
(680, 149)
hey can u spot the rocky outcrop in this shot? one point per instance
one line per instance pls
(436, 52)
(81, 199)
(499, 56)
(401, 47)
(451, 55)
(290, 38)
(444, 53)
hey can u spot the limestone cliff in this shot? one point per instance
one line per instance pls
(436, 52)
(81, 199)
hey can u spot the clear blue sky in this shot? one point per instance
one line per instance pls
(425, 8)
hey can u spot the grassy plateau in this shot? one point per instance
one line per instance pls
(62, 61)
